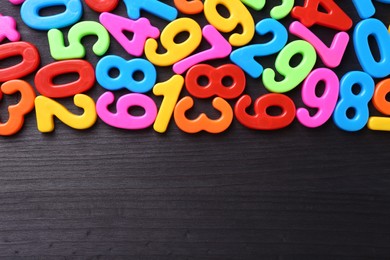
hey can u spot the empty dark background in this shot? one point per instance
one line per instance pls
(106, 193)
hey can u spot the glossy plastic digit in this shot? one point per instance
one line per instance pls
(174, 51)
(245, 56)
(375, 28)
(122, 119)
(335, 17)
(171, 91)
(324, 104)
(358, 102)
(47, 108)
(202, 122)
(261, 120)
(101, 6)
(331, 56)
(220, 48)
(293, 76)
(127, 70)
(366, 8)
(8, 29)
(31, 8)
(44, 79)
(18, 111)
(189, 6)
(238, 15)
(215, 77)
(380, 102)
(141, 29)
(154, 7)
(75, 49)
(278, 12)
(30, 60)
(16, 2)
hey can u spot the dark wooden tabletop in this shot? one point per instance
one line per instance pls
(105, 193)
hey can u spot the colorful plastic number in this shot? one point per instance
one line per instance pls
(141, 29)
(325, 103)
(30, 60)
(215, 77)
(365, 8)
(18, 111)
(202, 122)
(47, 108)
(261, 120)
(357, 102)
(8, 29)
(375, 28)
(170, 90)
(122, 119)
(293, 76)
(335, 17)
(245, 56)
(46, 75)
(380, 102)
(189, 6)
(154, 7)
(239, 15)
(16, 2)
(330, 56)
(175, 51)
(102, 5)
(127, 71)
(75, 49)
(220, 48)
(278, 12)
(31, 8)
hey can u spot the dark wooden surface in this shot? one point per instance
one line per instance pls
(105, 193)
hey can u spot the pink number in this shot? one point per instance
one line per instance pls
(122, 119)
(16, 2)
(8, 29)
(220, 48)
(325, 104)
(141, 28)
(330, 56)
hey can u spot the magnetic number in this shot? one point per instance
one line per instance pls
(16, 2)
(175, 51)
(30, 60)
(19, 110)
(154, 7)
(189, 6)
(8, 29)
(102, 5)
(30, 14)
(170, 90)
(382, 105)
(141, 29)
(293, 76)
(365, 8)
(127, 71)
(335, 17)
(356, 103)
(75, 49)
(245, 56)
(375, 28)
(331, 56)
(45, 77)
(215, 81)
(278, 12)
(262, 120)
(238, 15)
(47, 108)
(202, 122)
(122, 119)
(220, 48)
(325, 103)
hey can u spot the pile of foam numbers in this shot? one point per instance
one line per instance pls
(239, 50)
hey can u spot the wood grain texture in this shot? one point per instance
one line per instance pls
(105, 193)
